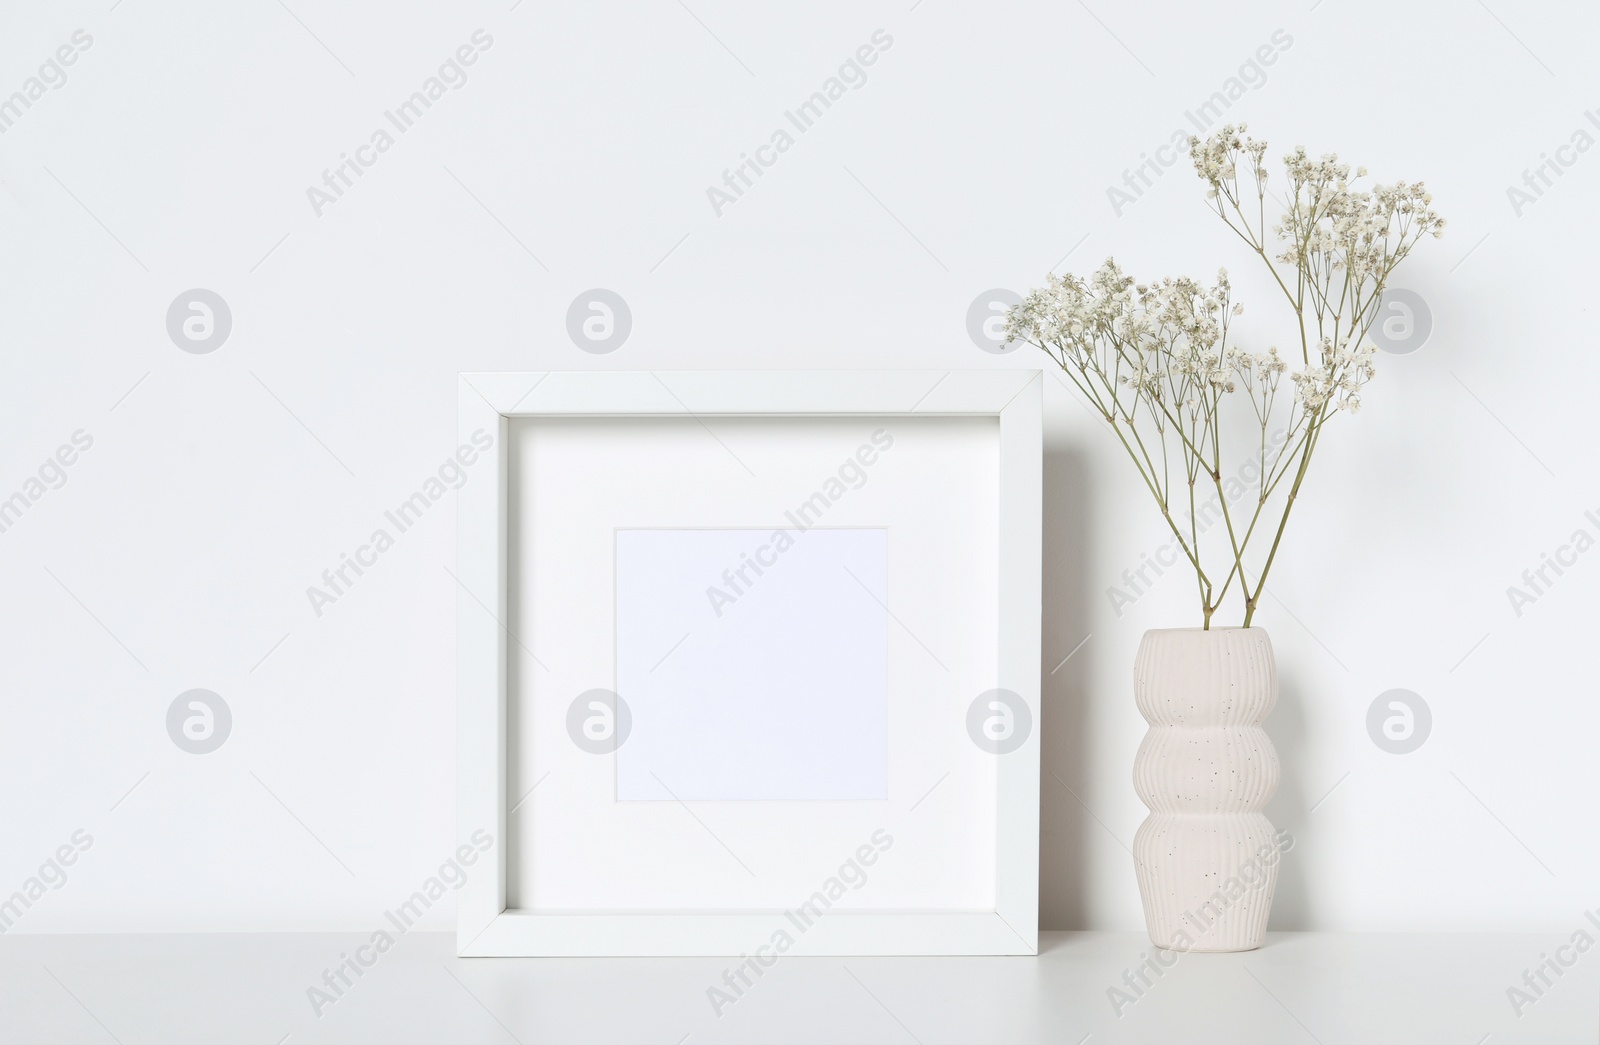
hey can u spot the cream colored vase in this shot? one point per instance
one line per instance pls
(1206, 856)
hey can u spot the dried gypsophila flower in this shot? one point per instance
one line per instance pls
(1160, 354)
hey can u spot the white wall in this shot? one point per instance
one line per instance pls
(177, 554)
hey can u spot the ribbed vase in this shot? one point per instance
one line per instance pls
(1206, 856)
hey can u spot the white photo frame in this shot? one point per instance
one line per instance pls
(489, 402)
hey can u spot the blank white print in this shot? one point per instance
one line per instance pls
(755, 663)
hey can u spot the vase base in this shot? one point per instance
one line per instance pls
(1200, 948)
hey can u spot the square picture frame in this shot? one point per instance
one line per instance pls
(491, 402)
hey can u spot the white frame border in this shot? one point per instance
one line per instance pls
(484, 927)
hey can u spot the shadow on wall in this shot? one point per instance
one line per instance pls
(1288, 810)
(1064, 824)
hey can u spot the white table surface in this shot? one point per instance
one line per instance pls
(1300, 988)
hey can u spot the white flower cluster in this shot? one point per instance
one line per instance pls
(1165, 338)
(1156, 359)
(1165, 342)
(1217, 158)
(1338, 380)
(1355, 231)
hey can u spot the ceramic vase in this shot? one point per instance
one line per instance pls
(1206, 856)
